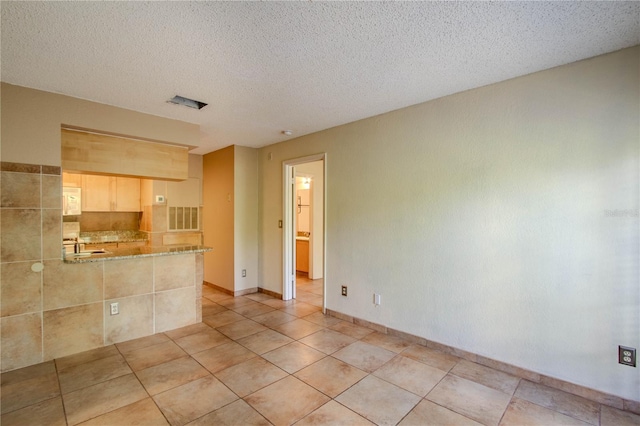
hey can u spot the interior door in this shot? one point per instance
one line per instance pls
(289, 225)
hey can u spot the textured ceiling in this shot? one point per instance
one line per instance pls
(264, 67)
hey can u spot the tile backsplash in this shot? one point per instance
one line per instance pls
(106, 221)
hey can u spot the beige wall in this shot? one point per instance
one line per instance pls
(502, 220)
(245, 217)
(31, 121)
(218, 217)
(230, 215)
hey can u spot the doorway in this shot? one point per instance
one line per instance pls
(304, 228)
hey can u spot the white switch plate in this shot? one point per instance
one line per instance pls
(376, 299)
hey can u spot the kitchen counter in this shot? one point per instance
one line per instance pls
(135, 252)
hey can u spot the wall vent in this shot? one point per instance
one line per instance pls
(184, 218)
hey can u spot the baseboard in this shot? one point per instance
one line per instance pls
(582, 391)
(232, 293)
(270, 293)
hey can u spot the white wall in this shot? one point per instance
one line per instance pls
(490, 220)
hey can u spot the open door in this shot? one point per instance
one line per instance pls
(290, 208)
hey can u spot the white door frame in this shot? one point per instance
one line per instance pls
(288, 209)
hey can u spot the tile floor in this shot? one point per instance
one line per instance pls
(309, 291)
(256, 360)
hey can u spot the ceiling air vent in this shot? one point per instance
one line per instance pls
(181, 100)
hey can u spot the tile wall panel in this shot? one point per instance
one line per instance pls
(21, 340)
(67, 284)
(21, 290)
(172, 272)
(20, 190)
(199, 258)
(128, 278)
(174, 309)
(159, 218)
(21, 235)
(51, 234)
(135, 319)
(51, 192)
(71, 330)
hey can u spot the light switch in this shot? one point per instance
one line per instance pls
(376, 299)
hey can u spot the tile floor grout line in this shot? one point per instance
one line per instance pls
(64, 407)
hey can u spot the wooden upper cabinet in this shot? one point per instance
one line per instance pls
(127, 194)
(96, 193)
(110, 193)
(72, 179)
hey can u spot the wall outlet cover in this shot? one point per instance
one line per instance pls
(627, 356)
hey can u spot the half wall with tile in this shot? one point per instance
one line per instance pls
(50, 309)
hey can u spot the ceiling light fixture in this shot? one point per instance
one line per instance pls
(181, 100)
(287, 132)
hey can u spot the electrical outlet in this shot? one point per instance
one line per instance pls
(627, 356)
(344, 290)
(244, 272)
(115, 308)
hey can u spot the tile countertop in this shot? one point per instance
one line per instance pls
(133, 252)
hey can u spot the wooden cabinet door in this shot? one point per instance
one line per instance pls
(127, 196)
(96, 193)
(302, 256)
(72, 179)
(100, 246)
(132, 244)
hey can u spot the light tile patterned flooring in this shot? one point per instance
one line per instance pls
(256, 360)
